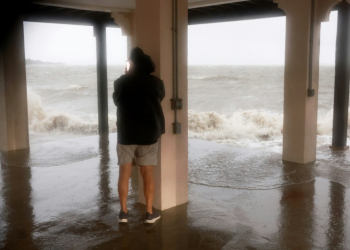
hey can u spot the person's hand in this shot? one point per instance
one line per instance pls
(127, 66)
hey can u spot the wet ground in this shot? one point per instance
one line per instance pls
(63, 195)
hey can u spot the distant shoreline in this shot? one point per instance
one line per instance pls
(35, 62)
(31, 61)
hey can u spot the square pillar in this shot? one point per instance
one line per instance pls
(102, 82)
(14, 130)
(153, 34)
(342, 76)
(301, 71)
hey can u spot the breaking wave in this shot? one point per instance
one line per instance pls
(76, 87)
(242, 127)
(44, 120)
(253, 125)
(325, 123)
(211, 78)
(248, 124)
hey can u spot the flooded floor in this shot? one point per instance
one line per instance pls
(63, 195)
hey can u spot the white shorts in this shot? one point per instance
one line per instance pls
(143, 154)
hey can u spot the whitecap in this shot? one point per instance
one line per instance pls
(76, 87)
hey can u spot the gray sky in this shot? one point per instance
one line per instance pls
(255, 42)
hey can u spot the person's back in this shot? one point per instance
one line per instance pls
(140, 118)
(140, 122)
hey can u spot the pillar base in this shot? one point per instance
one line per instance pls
(296, 164)
(339, 148)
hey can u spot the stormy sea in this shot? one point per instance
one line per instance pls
(235, 105)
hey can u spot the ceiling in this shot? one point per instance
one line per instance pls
(245, 10)
(233, 11)
(121, 5)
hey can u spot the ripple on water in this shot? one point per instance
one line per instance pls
(220, 165)
(333, 165)
(252, 171)
(53, 153)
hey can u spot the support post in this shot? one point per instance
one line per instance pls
(102, 88)
(342, 73)
(301, 72)
(14, 129)
(154, 36)
(304, 19)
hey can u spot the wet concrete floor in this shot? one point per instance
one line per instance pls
(63, 195)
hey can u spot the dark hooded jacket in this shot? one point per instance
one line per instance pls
(138, 97)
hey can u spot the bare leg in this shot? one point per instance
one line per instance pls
(148, 186)
(123, 184)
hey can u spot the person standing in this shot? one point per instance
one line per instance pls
(140, 122)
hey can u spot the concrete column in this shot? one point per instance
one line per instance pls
(102, 88)
(14, 131)
(302, 70)
(154, 36)
(342, 74)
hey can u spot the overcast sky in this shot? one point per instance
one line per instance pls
(255, 42)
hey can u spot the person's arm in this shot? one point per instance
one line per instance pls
(117, 92)
(161, 92)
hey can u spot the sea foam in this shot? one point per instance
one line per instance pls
(252, 124)
(76, 87)
(248, 128)
(45, 120)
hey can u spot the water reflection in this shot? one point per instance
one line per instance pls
(297, 219)
(215, 218)
(17, 195)
(336, 232)
(104, 183)
(176, 229)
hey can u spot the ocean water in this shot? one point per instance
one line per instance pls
(236, 105)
